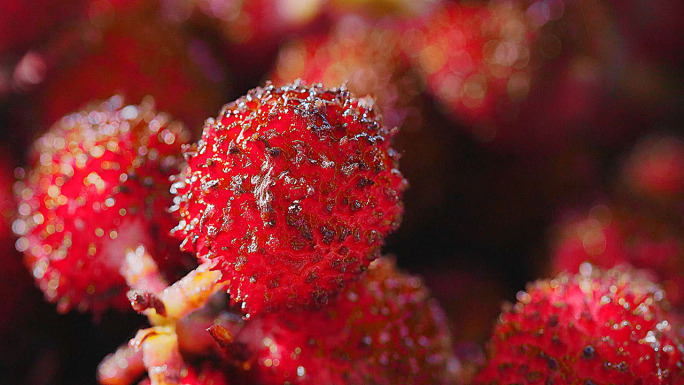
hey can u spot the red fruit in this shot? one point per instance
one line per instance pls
(98, 184)
(608, 237)
(385, 329)
(655, 168)
(22, 22)
(594, 238)
(474, 60)
(134, 55)
(596, 328)
(364, 56)
(290, 192)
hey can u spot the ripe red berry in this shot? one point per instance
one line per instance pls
(290, 192)
(98, 184)
(152, 58)
(595, 328)
(384, 329)
(474, 60)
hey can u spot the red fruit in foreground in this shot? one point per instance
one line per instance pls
(596, 328)
(385, 329)
(98, 184)
(290, 192)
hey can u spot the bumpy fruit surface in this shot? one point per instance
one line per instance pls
(595, 328)
(290, 192)
(385, 329)
(363, 55)
(98, 184)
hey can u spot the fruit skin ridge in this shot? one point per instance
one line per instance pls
(290, 192)
(593, 328)
(98, 184)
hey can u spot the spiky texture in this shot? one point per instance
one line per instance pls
(596, 328)
(97, 184)
(363, 55)
(385, 329)
(290, 192)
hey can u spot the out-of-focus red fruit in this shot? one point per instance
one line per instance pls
(593, 328)
(475, 60)
(608, 237)
(290, 192)
(133, 55)
(98, 184)
(24, 22)
(651, 30)
(364, 56)
(655, 168)
(595, 238)
(384, 329)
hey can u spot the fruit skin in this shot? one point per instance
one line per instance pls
(97, 184)
(594, 328)
(384, 329)
(363, 55)
(290, 192)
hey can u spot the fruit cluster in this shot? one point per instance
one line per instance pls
(265, 240)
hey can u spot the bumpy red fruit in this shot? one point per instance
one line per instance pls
(596, 328)
(97, 185)
(291, 192)
(385, 329)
